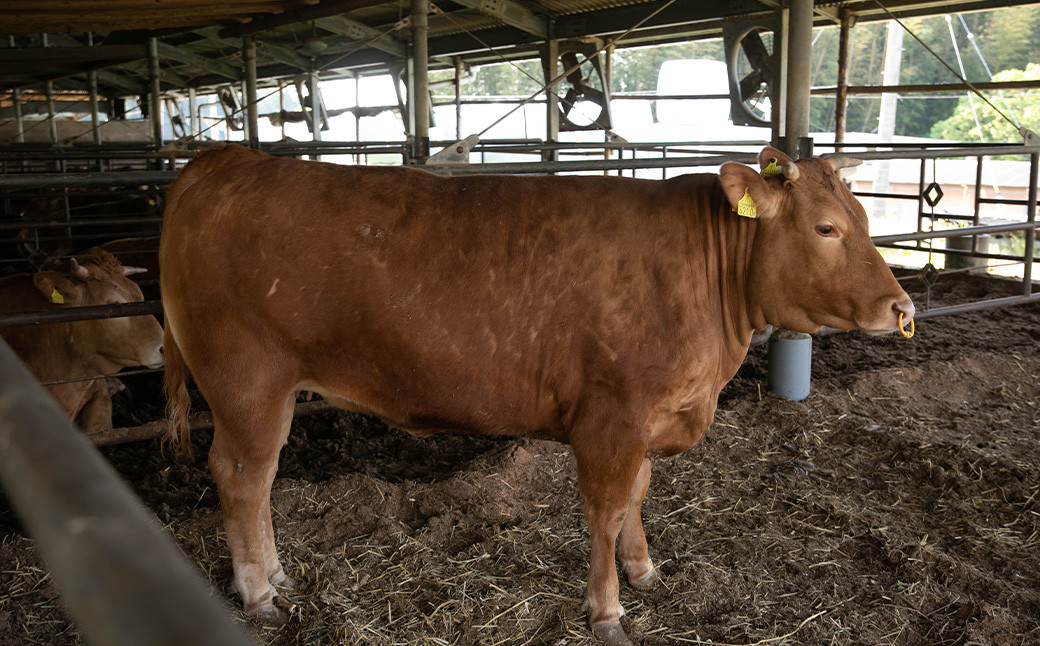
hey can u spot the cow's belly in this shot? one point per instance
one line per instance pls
(425, 393)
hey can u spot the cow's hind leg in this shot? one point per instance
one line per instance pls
(244, 459)
(632, 542)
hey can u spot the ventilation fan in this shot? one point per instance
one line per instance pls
(584, 104)
(749, 60)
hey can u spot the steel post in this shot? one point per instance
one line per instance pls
(421, 78)
(252, 113)
(799, 68)
(154, 100)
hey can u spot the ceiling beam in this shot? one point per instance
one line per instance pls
(186, 57)
(361, 33)
(122, 81)
(277, 52)
(306, 14)
(512, 14)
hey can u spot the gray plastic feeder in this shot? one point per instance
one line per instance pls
(790, 364)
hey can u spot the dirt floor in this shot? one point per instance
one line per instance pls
(898, 504)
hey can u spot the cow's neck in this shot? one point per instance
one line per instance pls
(727, 240)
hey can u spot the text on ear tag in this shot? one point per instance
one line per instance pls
(771, 169)
(56, 297)
(746, 206)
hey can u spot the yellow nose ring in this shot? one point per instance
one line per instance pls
(906, 333)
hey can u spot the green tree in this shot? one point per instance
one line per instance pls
(1021, 105)
(1009, 38)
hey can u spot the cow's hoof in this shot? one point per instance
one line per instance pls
(611, 634)
(269, 615)
(647, 581)
(283, 582)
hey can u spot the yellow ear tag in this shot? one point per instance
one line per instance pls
(56, 297)
(746, 206)
(771, 170)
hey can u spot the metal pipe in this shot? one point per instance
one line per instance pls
(122, 579)
(457, 81)
(155, 104)
(16, 96)
(95, 116)
(312, 80)
(52, 115)
(977, 306)
(954, 233)
(593, 165)
(935, 88)
(252, 113)
(551, 64)
(934, 153)
(91, 313)
(80, 222)
(841, 103)
(1027, 270)
(799, 71)
(59, 180)
(92, 84)
(421, 77)
(193, 118)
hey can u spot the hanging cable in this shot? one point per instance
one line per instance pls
(931, 51)
(960, 64)
(982, 59)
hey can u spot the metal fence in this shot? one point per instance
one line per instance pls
(123, 581)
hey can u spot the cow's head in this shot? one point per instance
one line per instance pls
(97, 278)
(813, 261)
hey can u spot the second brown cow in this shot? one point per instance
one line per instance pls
(603, 312)
(60, 352)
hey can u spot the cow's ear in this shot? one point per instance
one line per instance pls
(57, 288)
(769, 153)
(747, 192)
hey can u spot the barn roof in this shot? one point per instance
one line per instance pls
(200, 41)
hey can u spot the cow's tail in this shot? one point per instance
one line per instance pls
(175, 383)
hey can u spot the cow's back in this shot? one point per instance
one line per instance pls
(478, 302)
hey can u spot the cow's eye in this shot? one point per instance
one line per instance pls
(826, 230)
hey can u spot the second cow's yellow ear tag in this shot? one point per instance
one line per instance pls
(771, 170)
(746, 206)
(56, 297)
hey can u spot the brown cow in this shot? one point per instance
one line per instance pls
(59, 351)
(603, 312)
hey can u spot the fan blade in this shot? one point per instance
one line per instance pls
(752, 83)
(755, 50)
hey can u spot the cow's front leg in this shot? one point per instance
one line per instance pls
(632, 541)
(96, 414)
(607, 474)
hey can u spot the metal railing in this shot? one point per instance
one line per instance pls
(926, 232)
(122, 579)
